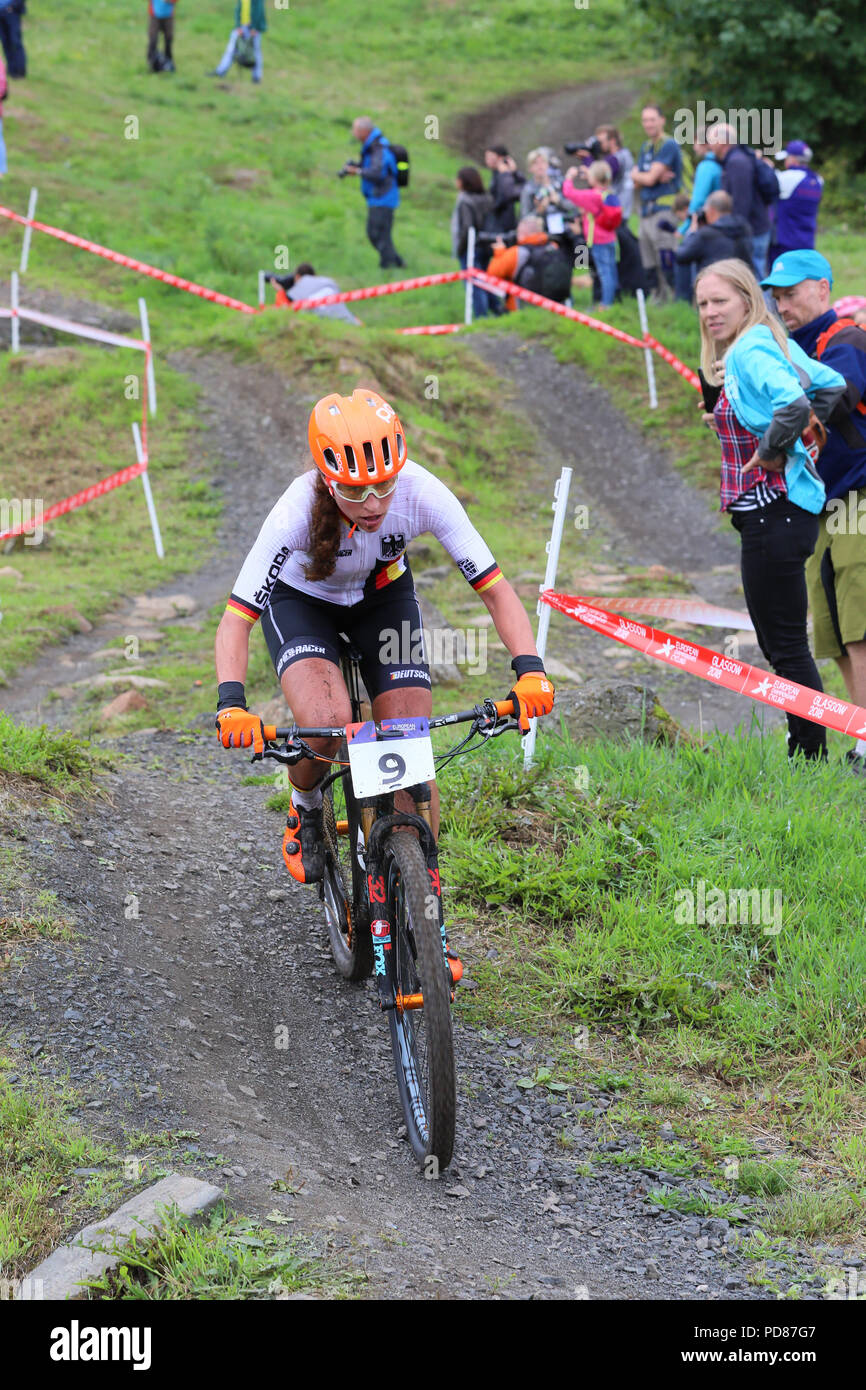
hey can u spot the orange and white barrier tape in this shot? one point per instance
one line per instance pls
(712, 666)
(433, 329)
(420, 282)
(691, 377)
(131, 263)
(122, 475)
(493, 282)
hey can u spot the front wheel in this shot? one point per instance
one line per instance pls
(420, 1036)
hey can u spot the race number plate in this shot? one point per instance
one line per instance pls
(400, 759)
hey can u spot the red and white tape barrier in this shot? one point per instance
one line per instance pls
(433, 329)
(712, 666)
(686, 610)
(80, 330)
(122, 475)
(691, 377)
(131, 263)
(420, 282)
(493, 282)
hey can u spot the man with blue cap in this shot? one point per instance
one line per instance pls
(800, 282)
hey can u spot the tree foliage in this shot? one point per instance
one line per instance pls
(804, 57)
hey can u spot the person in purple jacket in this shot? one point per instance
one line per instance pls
(800, 193)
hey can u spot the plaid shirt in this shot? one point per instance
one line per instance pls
(738, 446)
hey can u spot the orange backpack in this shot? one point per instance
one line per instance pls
(858, 342)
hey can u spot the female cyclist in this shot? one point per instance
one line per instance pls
(330, 558)
(766, 387)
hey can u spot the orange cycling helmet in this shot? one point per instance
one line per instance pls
(356, 439)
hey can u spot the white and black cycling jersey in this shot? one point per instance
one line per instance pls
(367, 561)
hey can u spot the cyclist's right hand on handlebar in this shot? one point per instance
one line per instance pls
(532, 693)
(237, 728)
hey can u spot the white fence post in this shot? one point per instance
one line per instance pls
(28, 230)
(13, 304)
(559, 507)
(148, 357)
(261, 289)
(470, 265)
(148, 495)
(648, 353)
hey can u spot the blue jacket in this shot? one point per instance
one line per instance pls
(760, 379)
(842, 465)
(379, 172)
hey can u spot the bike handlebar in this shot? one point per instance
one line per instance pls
(272, 732)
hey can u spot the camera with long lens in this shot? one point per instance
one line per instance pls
(592, 147)
(507, 238)
(346, 169)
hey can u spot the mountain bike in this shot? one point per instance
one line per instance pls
(381, 890)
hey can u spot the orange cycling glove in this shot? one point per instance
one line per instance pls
(236, 727)
(532, 693)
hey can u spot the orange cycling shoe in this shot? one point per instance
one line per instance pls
(303, 845)
(455, 965)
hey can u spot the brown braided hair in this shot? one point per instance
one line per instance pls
(325, 532)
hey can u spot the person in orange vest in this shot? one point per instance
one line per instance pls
(535, 261)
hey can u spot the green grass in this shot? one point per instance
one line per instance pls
(59, 763)
(735, 1029)
(216, 179)
(224, 1257)
(40, 1146)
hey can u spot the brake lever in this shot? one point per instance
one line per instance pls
(287, 754)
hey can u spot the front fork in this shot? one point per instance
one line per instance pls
(375, 831)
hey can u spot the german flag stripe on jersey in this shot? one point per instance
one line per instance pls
(486, 579)
(243, 610)
(391, 572)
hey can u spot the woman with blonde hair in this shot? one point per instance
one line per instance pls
(762, 390)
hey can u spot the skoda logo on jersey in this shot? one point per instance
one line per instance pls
(392, 546)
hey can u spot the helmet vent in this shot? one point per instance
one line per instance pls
(351, 461)
(330, 459)
(401, 448)
(369, 457)
(386, 453)
(333, 410)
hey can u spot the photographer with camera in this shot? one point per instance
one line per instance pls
(306, 284)
(533, 260)
(377, 169)
(505, 185)
(602, 217)
(542, 196)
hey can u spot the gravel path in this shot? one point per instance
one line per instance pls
(172, 1018)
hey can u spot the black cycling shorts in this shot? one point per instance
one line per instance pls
(387, 630)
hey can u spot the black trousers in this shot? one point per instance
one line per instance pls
(379, 224)
(13, 47)
(776, 543)
(154, 29)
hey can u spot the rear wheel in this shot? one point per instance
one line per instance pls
(343, 887)
(420, 1037)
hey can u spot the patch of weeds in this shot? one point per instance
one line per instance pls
(765, 1179)
(225, 1257)
(807, 1214)
(694, 1204)
(666, 1090)
(543, 1077)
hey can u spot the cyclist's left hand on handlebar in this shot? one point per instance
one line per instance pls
(237, 728)
(532, 695)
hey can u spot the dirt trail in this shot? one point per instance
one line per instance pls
(194, 948)
(168, 1018)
